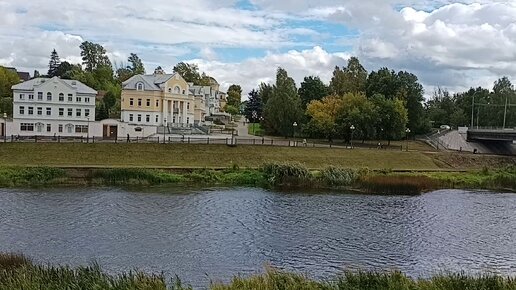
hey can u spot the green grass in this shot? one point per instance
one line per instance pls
(255, 129)
(201, 156)
(19, 272)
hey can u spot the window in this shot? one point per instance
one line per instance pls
(39, 127)
(49, 111)
(70, 97)
(147, 118)
(61, 112)
(187, 120)
(22, 96)
(69, 128)
(49, 96)
(22, 110)
(184, 92)
(77, 114)
(31, 111)
(61, 97)
(81, 129)
(40, 96)
(86, 112)
(139, 102)
(70, 112)
(31, 97)
(131, 102)
(157, 103)
(49, 127)
(86, 100)
(40, 111)
(139, 86)
(177, 90)
(78, 99)
(157, 118)
(27, 127)
(131, 117)
(188, 106)
(60, 128)
(148, 102)
(139, 118)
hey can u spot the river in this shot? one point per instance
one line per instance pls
(216, 233)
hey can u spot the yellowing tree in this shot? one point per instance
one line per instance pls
(324, 114)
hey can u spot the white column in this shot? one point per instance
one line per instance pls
(185, 112)
(164, 111)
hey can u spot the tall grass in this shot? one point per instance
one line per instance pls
(287, 174)
(397, 184)
(124, 176)
(22, 176)
(335, 176)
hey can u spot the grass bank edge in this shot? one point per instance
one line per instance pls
(19, 272)
(270, 175)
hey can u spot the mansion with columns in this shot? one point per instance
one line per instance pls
(167, 100)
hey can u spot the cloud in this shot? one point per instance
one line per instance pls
(251, 72)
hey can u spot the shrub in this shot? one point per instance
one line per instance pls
(14, 176)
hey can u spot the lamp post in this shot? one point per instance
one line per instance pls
(261, 120)
(407, 131)
(473, 109)
(352, 128)
(88, 130)
(5, 127)
(164, 126)
(295, 126)
(254, 115)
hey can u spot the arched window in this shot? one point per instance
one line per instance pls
(61, 97)
(49, 96)
(177, 90)
(139, 86)
(170, 90)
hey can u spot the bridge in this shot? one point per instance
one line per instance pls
(492, 134)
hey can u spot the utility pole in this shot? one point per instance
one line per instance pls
(473, 110)
(505, 111)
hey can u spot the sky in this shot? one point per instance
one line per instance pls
(451, 44)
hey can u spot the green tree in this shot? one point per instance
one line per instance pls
(411, 92)
(190, 72)
(503, 93)
(265, 92)
(65, 70)
(360, 112)
(7, 80)
(283, 107)
(351, 79)
(392, 117)
(136, 66)
(312, 88)
(234, 95)
(53, 64)
(231, 109)
(384, 82)
(94, 56)
(254, 107)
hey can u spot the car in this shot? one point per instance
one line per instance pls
(445, 127)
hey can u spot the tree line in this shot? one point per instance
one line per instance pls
(382, 104)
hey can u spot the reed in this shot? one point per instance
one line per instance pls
(21, 176)
(287, 174)
(126, 176)
(397, 184)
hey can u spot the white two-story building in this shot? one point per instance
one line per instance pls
(49, 107)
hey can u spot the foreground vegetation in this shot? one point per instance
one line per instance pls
(19, 272)
(269, 175)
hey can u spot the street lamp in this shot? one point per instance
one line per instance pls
(88, 130)
(407, 131)
(352, 128)
(254, 115)
(164, 126)
(5, 127)
(295, 126)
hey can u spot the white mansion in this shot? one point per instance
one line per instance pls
(52, 107)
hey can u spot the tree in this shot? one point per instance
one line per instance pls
(323, 116)
(190, 72)
(351, 79)
(411, 92)
(53, 64)
(136, 67)
(8, 78)
(253, 109)
(360, 112)
(65, 70)
(503, 93)
(265, 91)
(159, 71)
(312, 88)
(234, 95)
(392, 117)
(384, 82)
(283, 107)
(94, 56)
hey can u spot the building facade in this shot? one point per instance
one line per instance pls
(47, 107)
(158, 100)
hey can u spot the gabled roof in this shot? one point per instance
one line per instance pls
(37, 82)
(151, 82)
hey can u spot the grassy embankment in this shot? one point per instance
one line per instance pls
(270, 175)
(18, 272)
(255, 129)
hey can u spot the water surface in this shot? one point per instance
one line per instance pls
(214, 234)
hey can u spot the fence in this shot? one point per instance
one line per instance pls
(235, 141)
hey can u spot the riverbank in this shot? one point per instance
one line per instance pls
(269, 175)
(19, 272)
